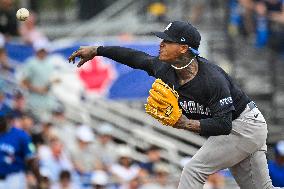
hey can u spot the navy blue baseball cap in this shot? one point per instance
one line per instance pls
(182, 33)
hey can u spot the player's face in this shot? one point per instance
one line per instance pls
(169, 51)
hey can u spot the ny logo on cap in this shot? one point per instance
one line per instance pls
(167, 28)
(182, 39)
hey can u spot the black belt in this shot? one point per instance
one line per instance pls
(3, 177)
(252, 105)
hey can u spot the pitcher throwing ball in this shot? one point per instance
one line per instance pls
(196, 95)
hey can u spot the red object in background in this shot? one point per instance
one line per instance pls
(97, 75)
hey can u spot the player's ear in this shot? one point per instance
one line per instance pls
(183, 49)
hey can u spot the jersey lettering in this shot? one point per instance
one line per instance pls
(194, 108)
(226, 101)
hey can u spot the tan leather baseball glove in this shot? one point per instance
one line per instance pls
(162, 104)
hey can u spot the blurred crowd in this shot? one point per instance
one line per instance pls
(33, 126)
(260, 22)
(73, 156)
(68, 155)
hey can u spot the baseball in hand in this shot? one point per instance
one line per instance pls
(22, 14)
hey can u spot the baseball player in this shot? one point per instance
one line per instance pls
(16, 152)
(205, 100)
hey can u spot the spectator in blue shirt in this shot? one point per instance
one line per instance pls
(270, 23)
(154, 156)
(16, 154)
(276, 167)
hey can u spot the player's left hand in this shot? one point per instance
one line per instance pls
(85, 53)
(162, 104)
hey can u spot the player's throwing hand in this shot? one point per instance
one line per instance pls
(85, 53)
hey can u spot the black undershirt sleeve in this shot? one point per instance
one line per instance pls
(221, 106)
(130, 57)
(219, 125)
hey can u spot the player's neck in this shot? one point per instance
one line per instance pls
(189, 72)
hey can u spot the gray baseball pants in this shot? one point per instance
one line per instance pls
(242, 151)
